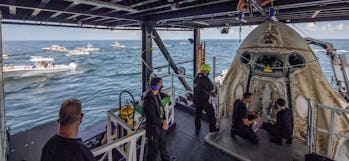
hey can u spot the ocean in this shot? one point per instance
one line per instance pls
(101, 76)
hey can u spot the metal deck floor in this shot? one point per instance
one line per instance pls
(182, 143)
(27, 145)
(264, 150)
(187, 146)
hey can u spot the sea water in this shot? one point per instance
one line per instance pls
(101, 76)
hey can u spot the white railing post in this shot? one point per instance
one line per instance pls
(108, 132)
(141, 155)
(331, 129)
(310, 127)
(128, 140)
(130, 151)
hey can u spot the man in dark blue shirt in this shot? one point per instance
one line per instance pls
(243, 120)
(65, 145)
(156, 124)
(203, 87)
(283, 128)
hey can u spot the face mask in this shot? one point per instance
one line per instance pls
(154, 87)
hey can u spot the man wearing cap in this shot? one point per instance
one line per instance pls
(156, 124)
(243, 120)
(203, 87)
(283, 127)
(65, 145)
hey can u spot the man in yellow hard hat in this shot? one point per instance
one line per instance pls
(203, 87)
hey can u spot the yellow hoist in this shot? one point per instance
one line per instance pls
(127, 113)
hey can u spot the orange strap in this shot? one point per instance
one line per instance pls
(263, 3)
(242, 5)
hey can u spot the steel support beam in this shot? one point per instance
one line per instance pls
(147, 55)
(204, 8)
(105, 5)
(3, 132)
(196, 49)
(169, 59)
(12, 10)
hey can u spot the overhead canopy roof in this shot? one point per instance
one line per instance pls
(129, 14)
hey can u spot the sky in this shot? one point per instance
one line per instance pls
(319, 30)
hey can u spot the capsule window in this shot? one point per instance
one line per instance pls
(296, 60)
(245, 57)
(269, 63)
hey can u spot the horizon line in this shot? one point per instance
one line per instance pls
(163, 39)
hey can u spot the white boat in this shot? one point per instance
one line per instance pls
(183, 43)
(79, 51)
(55, 48)
(4, 56)
(117, 45)
(89, 48)
(41, 66)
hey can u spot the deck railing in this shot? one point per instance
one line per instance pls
(127, 136)
(125, 143)
(313, 129)
(129, 141)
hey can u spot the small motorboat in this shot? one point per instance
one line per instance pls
(41, 66)
(183, 43)
(117, 45)
(4, 56)
(55, 48)
(79, 51)
(89, 48)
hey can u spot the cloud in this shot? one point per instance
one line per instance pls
(327, 27)
(210, 29)
(96, 30)
(311, 27)
(340, 27)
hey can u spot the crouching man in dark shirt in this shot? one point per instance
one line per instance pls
(283, 128)
(65, 145)
(243, 120)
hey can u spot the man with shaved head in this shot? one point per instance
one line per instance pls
(65, 145)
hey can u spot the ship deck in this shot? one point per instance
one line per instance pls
(264, 150)
(182, 143)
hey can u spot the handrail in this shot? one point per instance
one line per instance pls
(121, 122)
(177, 75)
(131, 141)
(331, 132)
(310, 135)
(336, 109)
(122, 127)
(164, 66)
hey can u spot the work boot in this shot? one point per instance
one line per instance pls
(173, 158)
(276, 140)
(197, 131)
